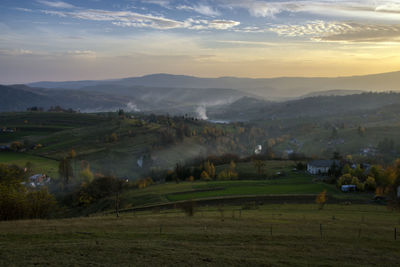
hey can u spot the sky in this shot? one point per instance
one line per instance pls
(99, 39)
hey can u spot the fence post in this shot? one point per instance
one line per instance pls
(320, 229)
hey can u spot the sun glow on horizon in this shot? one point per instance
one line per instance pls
(73, 40)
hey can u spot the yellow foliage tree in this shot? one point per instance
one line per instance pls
(204, 176)
(86, 174)
(209, 169)
(72, 154)
(321, 199)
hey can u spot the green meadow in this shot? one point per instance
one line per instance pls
(40, 164)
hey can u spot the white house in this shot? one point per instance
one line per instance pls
(321, 166)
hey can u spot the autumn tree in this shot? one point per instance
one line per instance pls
(86, 174)
(72, 154)
(204, 176)
(321, 199)
(209, 169)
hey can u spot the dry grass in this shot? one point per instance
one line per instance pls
(240, 237)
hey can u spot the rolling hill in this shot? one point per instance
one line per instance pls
(250, 109)
(111, 97)
(270, 88)
(20, 97)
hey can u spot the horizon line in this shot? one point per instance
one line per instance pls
(201, 77)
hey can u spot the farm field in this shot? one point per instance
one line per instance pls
(302, 184)
(355, 235)
(40, 164)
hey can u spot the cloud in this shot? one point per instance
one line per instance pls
(133, 19)
(55, 4)
(341, 31)
(82, 53)
(120, 18)
(201, 9)
(378, 9)
(248, 43)
(163, 3)
(16, 52)
(222, 24)
(23, 9)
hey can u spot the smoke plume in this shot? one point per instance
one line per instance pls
(202, 113)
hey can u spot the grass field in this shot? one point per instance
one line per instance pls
(351, 236)
(293, 183)
(40, 164)
(299, 184)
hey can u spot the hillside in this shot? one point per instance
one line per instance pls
(114, 144)
(318, 106)
(333, 93)
(19, 98)
(231, 235)
(169, 99)
(271, 88)
(112, 97)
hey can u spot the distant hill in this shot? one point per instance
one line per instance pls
(272, 88)
(247, 109)
(108, 97)
(333, 93)
(19, 98)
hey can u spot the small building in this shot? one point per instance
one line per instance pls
(321, 166)
(348, 188)
(38, 180)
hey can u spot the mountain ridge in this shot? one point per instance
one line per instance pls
(279, 88)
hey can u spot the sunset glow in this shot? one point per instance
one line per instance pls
(64, 40)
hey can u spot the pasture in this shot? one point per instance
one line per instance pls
(298, 185)
(278, 235)
(40, 164)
